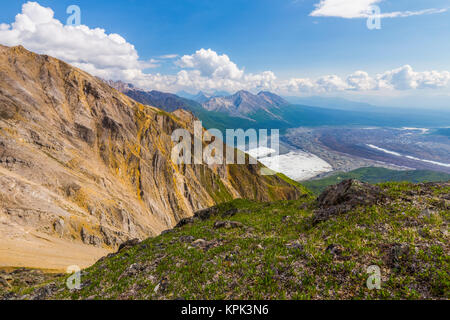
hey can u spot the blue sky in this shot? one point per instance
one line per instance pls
(279, 36)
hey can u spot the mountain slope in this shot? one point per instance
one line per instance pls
(82, 163)
(161, 100)
(377, 175)
(244, 104)
(273, 99)
(249, 250)
(201, 97)
(169, 102)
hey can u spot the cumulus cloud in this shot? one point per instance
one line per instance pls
(261, 81)
(405, 78)
(361, 81)
(298, 85)
(208, 70)
(351, 9)
(331, 83)
(110, 56)
(343, 8)
(210, 64)
(106, 55)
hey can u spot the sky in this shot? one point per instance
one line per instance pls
(383, 52)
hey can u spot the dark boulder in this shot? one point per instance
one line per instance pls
(128, 244)
(227, 224)
(343, 197)
(187, 239)
(206, 213)
(184, 222)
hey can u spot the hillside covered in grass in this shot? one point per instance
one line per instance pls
(377, 175)
(303, 249)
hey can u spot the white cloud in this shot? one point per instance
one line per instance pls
(261, 81)
(351, 9)
(107, 55)
(361, 81)
(295, 85)
(433, 79)
(404, 14)
(210, 64)
(405, 78)
(331, 83)
(343, 8)
(324, 84)
(168, 56)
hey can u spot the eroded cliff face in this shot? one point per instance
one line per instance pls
(81, 162)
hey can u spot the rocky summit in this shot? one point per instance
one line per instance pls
(84, 168)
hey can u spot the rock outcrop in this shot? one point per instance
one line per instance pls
(346, 196)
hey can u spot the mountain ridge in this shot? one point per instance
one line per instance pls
(240, 104)
(244, 104)
(278, 113)
(81, 162)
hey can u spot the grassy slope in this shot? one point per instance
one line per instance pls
(377, 175)
(255, 262)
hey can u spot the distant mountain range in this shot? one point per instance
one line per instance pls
(332, 103)
(242, 104)
(268, 110)
(337, 103)
(166, 101)
(242, 109)
(245, 104)
(201, 96)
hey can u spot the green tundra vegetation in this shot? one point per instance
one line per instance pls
(281, 250)
(377, 175)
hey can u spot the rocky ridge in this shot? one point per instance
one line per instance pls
(83, 165)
